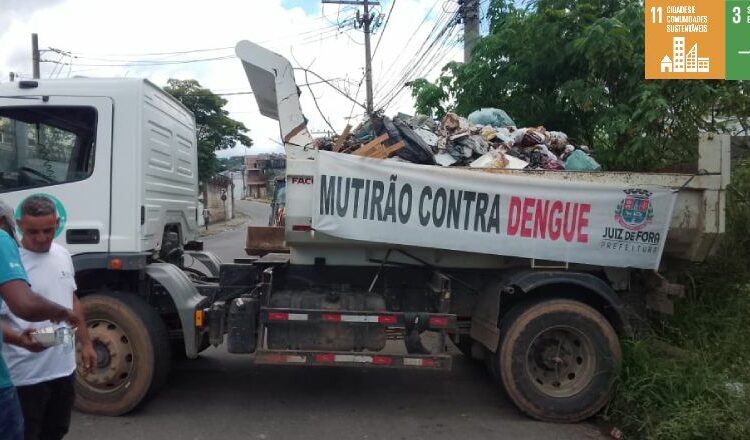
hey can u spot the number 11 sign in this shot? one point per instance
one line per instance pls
(685, 39)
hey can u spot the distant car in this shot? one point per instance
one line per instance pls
(278, 203)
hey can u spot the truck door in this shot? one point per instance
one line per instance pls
(61, 147)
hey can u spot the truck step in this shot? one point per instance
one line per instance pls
(273, 259)
(349, 359)
(426, 321)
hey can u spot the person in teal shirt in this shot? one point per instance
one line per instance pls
(15, 291)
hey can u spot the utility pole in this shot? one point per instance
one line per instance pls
(470, 16)
(366, 19)
(35, 54)
(363, 21)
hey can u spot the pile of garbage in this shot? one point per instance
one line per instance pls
(488, 138)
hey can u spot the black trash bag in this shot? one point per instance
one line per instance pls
(456, 150)
(385, 126)
(415, 149)
(476, 143)
(537, 159)
(519, 153)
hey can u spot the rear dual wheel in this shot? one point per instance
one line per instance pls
(557, 359)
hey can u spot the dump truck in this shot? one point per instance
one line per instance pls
(390, 265)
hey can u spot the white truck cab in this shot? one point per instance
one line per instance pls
(118, 157)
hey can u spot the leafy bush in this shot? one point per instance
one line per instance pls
(691, 379)
(578, 66)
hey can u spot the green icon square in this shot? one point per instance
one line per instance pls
(738, 39)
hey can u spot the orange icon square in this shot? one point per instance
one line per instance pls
(685, 39)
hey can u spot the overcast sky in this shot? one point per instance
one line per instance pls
(135, 38)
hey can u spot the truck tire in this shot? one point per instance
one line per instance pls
(133, 355)
(558, 359)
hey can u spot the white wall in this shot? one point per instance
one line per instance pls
(239, 183)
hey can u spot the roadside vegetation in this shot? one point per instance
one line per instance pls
(578, 66)
(690, 379)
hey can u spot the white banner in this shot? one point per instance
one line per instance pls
(407, 204)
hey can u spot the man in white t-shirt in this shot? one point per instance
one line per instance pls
(44, 377)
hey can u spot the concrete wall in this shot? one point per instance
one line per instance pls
(220, 210)
(239, 185)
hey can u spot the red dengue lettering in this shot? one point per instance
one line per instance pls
(548, 219)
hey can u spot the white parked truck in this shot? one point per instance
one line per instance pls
(119, 159)
(388, 262)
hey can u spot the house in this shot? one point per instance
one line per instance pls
(259, 170)
(666, 64)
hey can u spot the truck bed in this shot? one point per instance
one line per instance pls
(697, 217)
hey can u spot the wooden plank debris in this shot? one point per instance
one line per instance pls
(341, 139)
(371, 146)
(389, 151)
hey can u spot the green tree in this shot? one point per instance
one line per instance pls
(234, 163)
(215, 129)
(578, 66)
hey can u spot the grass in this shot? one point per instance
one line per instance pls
(690, 379)
(264, 199)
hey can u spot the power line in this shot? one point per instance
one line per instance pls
(356, 95)
(339, 10)
(331, 33)
(368, 23)
(145, 63)
(215, 49)
(385, 26)
(445, 26)
(109, 57)
(332, 86)
(388, 83)
(315, 100)
(249, 92)
(436, 58)
(55, 67)
(410, 39)
(439, 59)
(443, 22)
(423, 64)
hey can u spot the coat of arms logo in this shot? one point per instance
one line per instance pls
(635, 211)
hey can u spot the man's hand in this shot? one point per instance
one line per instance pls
(67, 315)
(25, 340)
(88, 357)
(73, 319)
(86, 350)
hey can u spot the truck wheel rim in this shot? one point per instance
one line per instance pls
(114, 352)
(560, 361)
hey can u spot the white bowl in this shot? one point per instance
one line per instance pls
(45, 336)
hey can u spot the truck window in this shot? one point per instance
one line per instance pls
(41, 146)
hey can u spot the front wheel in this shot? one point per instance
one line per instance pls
(558, 359)
(132, 349)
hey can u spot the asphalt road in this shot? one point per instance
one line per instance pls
(257, 212)
(231, 244)
(225, 396)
